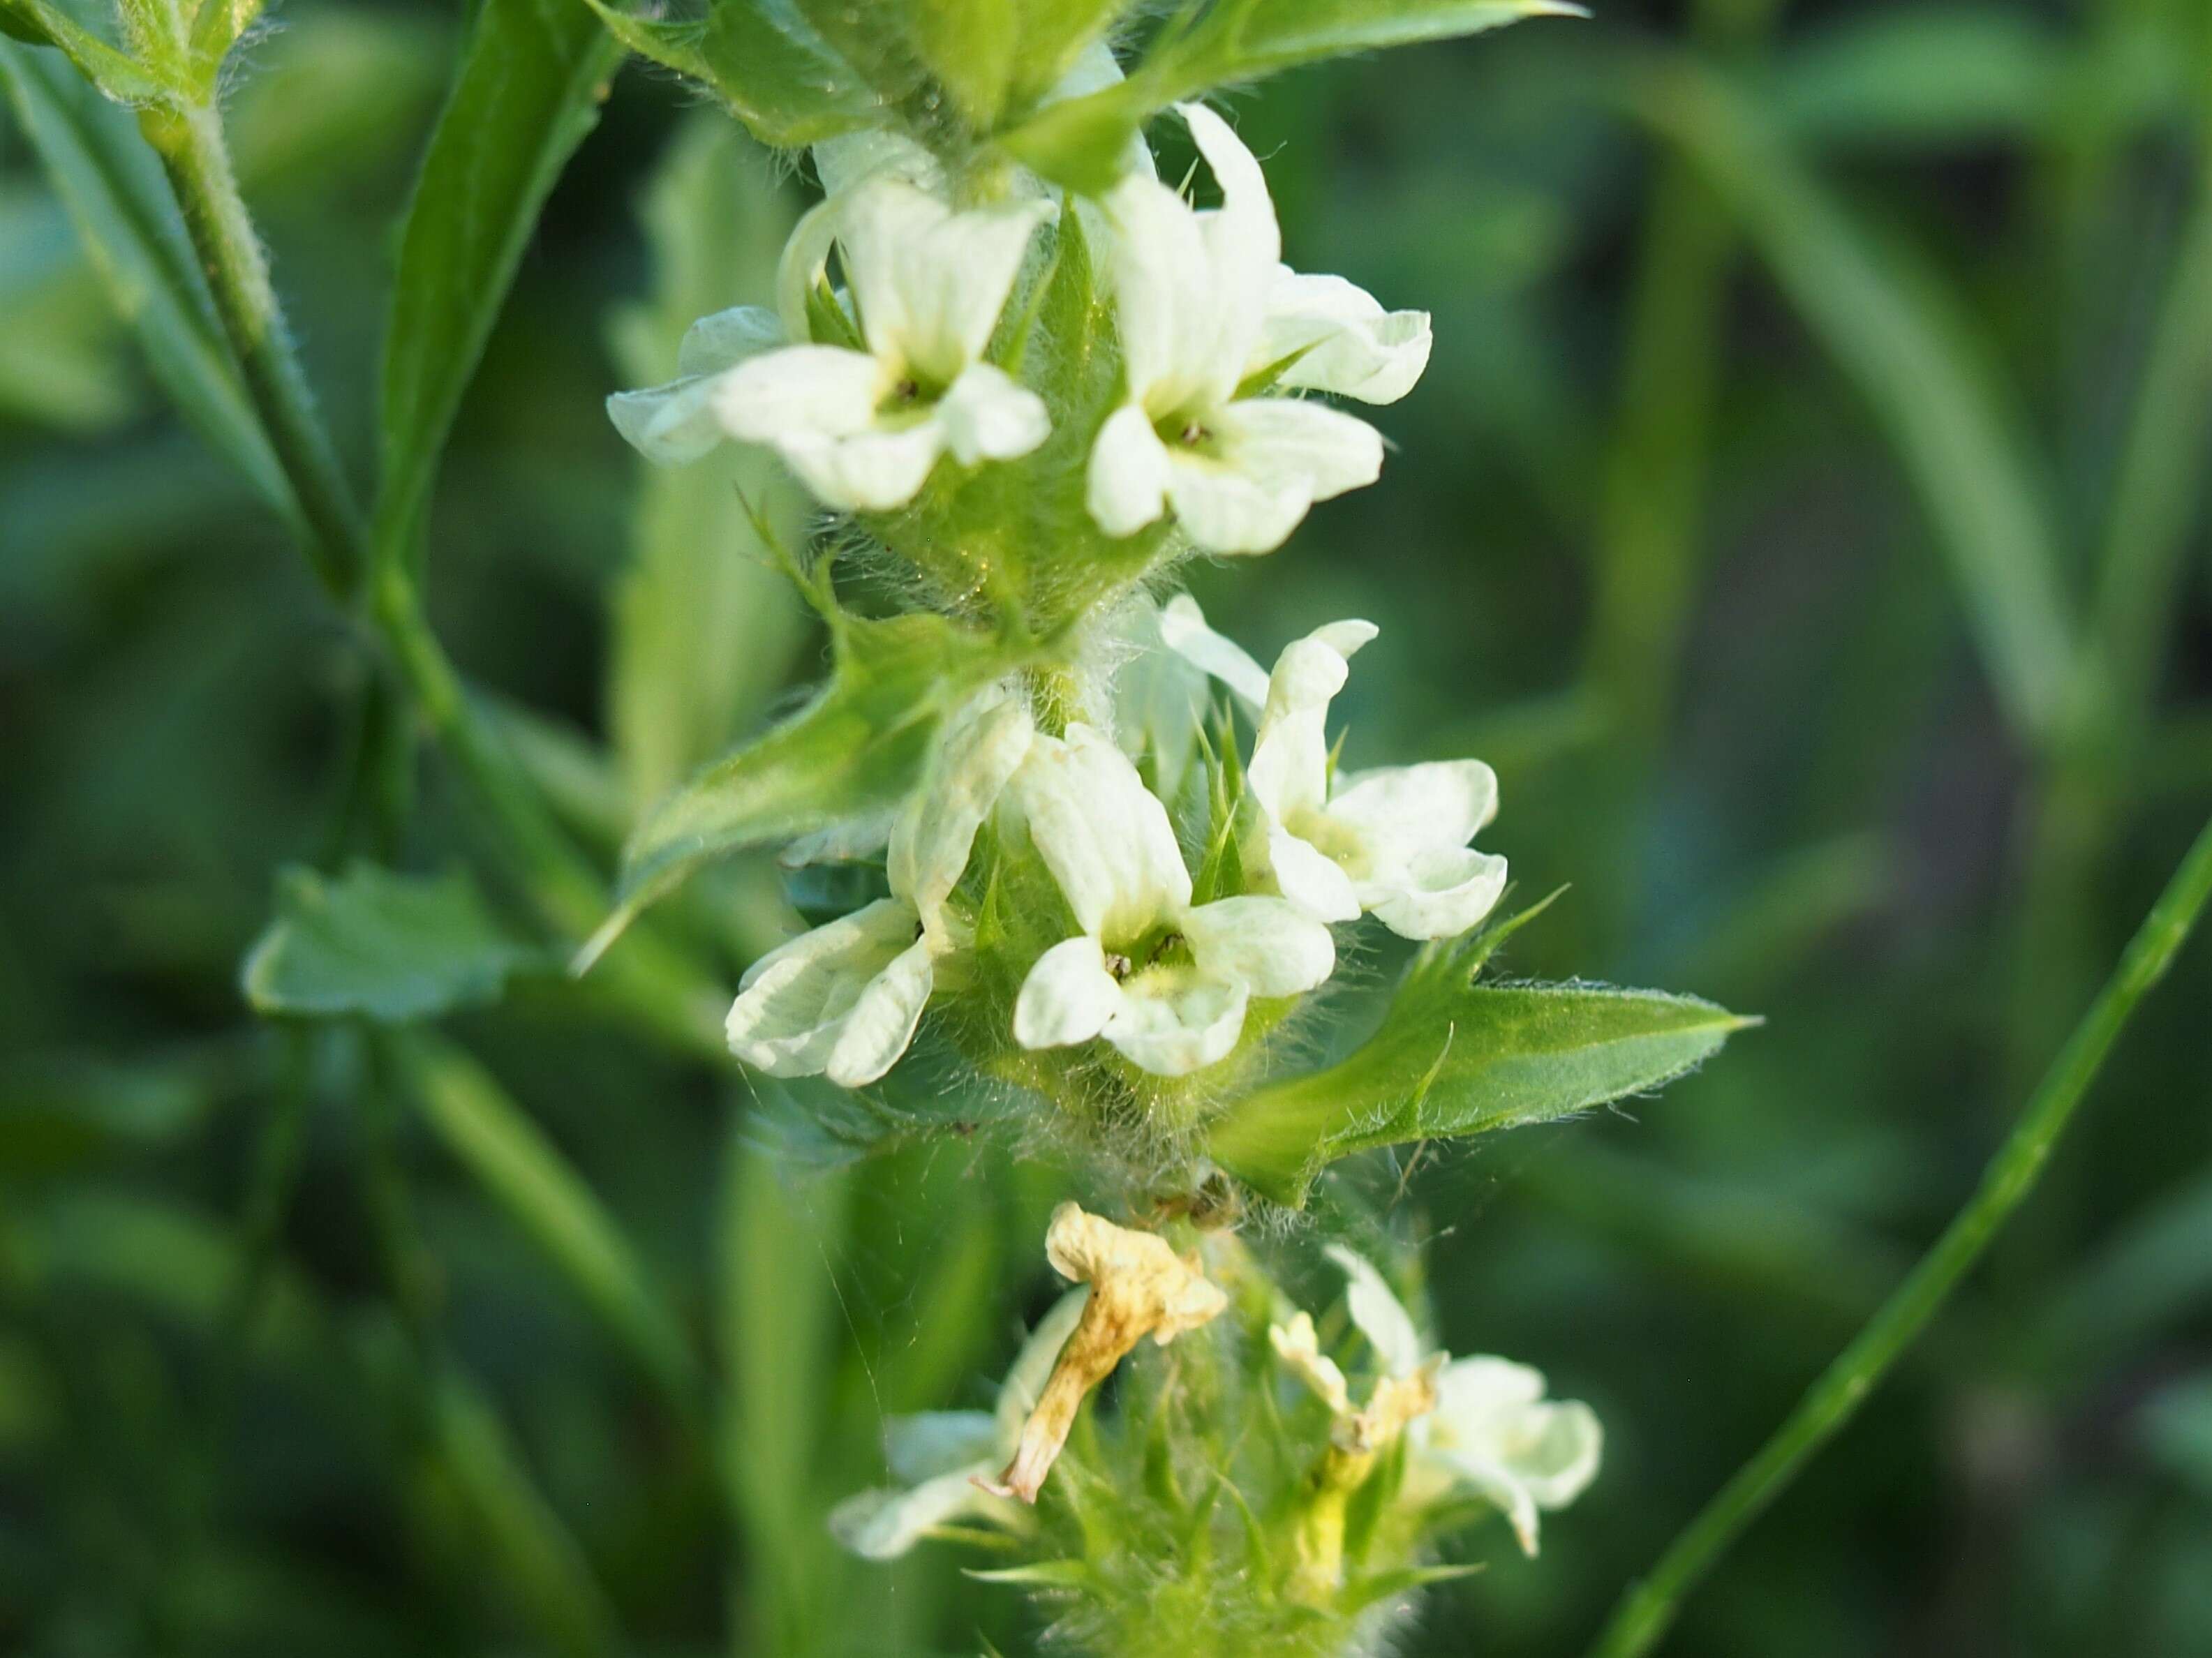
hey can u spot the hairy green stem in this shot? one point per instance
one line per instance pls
(1648, 1607)
(189, 139)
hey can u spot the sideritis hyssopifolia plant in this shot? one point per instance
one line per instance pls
(1103, 863)
(1095, 869)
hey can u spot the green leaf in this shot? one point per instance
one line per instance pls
(377, 945)
(532, 75)
(705, 627)
(1077, 142)
(118, 75)
(767, 64)
(113, 188)
(1452, 1058)
(856, 749)
(524, 1172)
(971, 47)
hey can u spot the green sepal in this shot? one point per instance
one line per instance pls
(1363, 1592)
(377, 945)
(1452, 1058)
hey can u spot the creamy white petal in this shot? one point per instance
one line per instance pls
(1241, 235)
(1437, 893)
(973, 762)
(1474, 1393)
(1175, 341)
(869, 471)
(1175, 1020)
(1183, 629)
(930, 1443)
(1280, 440)
(792, 1003)
(930, 281)
(1106, 839)
(1496, 1484)
(1272, 945)
(1309, 878)
(1288, 773)
(880, 1024)
(1406, 809)
(1348, 344)
(672, 423)
(881, 1525)
(805, 263)
(820, 391)
(1381, 1316)
(726, 338)
(1126, 485)
(1160, 698)
(1225, 508)
(1068, 996)
(987, 416)
(1032, 1367)
(1296, 1344)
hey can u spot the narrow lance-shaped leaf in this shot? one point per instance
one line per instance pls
(531, 77)
(113, 188)
(1077, 142)
(855, 749)
(762, 59)
(373, 944)
(1452, 1058)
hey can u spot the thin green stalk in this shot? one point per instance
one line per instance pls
(664, 993)
(189, 139)
(1648, 1607)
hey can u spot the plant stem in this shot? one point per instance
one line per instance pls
(189, 139)
(1648, 1607)
(665, 992)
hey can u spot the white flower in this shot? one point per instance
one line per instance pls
(1162, 980)
(940, 1455)
(1391, 841)
(1492, 1432)
(1203, 303)
(843, 999)
(863, 427)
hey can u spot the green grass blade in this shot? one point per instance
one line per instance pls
(1903, 351)
(1649, 1608)
(527, 1176)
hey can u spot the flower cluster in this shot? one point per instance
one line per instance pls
(1164, 980)
(864, 390)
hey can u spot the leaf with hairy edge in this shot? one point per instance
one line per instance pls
(856, 749)
(118, 75)
(532, 75)
(1078, 142)
(112, 186)
(381, 946)
(766, 62)
(1453, 1058)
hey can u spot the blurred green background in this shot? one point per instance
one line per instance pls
(1804, 512)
